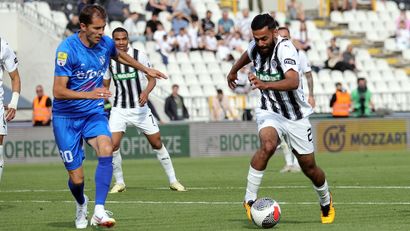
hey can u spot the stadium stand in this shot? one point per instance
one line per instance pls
(200, 73)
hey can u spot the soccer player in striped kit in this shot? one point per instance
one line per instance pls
(284, 111)
(130, 107)
(8, 62)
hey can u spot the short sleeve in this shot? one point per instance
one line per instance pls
(288, 56)
(143, 59)
(304, 62)
(107, 75)
(63, 62)
(251, 47)
(9, 58)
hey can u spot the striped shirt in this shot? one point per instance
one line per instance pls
(8, 62)
(290, 104)
(128, 82)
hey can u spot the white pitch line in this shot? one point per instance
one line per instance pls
(210, 202)
(226, 188)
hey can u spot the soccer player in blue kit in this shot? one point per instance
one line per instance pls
(78, 109)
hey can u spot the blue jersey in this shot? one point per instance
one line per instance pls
(85, 67)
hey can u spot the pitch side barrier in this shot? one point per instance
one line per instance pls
(231, 138)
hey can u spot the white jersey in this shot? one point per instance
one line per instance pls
(290, 104)
(304, 68)
(128, 82)
(8, 62)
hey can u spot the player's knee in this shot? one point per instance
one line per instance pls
(106, 150)
(268, 148)
(77, 179)
(156, 144)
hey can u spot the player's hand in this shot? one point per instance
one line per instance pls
(100, 93)
(311, 101)
(231, 78)
(143, 98)
(156, 74)
(10, 114)
(256, 83)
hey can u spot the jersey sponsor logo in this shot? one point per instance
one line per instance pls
(61, 58)
(125, 76)
(290, 61)
(89, 74)
(267, 77)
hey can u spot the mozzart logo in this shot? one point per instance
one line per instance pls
(366, 135)
(335, 138)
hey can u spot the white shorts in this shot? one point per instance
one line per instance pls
(3, 122)
(296, 133)
(140, 118)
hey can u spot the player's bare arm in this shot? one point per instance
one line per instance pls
(106, 83)
(15, 86)
(126, 59)
(145, 93)
(311, 97)
(60, 91)
(233, 73)
(291, 82)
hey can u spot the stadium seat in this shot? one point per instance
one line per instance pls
(188, 69)
(182, 58)
(136, 6)
(209, 90)
(200, 68)
(390, 45)
(226, 67)
(139, 46)
(177, 79)
(219, 79)
(115, 24)
(348, 16)
(205, 79)
(141, 27)
(191, 80)
(154, 57)
(406, 54)
(195, 90)
(337, 76)
(183, 90)
(173, 68)
(372, 16)
(195, 57)
(59, 18)
(382, 64)
(337, 17)
(209, 57)
(161, 67)
(43, 9)
(151, 46)
(213, 68)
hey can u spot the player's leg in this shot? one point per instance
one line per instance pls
(1, 156)
(99, 137)
(269, 141)
(288, 155)
(165, 160)
(118, 126)
(148, 124)
(301, 141)
(69, 143)
(117, 163)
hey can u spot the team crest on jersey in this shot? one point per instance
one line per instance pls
(102, 60)
(273, 63)
(61, 58)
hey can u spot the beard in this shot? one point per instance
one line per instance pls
(266, 51)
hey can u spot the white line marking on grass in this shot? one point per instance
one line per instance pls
(223, 188)
(209, 202)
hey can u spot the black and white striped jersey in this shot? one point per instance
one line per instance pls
(8, 62)
(291, 104)
(128, 82)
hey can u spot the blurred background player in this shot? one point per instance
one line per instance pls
(78, 109)
(340, 102)
(41, 108)
(130, 107)
(283, 111)
(292, 164)
(8, 62)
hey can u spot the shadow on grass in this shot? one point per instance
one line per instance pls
(64, 224)
(249, 225)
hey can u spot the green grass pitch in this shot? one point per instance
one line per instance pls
(371, 192)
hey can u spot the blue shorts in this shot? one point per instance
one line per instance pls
(69, 133)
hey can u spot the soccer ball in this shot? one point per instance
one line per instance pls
(265, 212)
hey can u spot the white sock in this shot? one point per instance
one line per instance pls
(254, 180)
(165, 160)
(99, 210)
(1, 161)
(323, 193)
(117, 168)
(287, 153)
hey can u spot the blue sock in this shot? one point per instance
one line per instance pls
(78, 191)
(103, 175)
